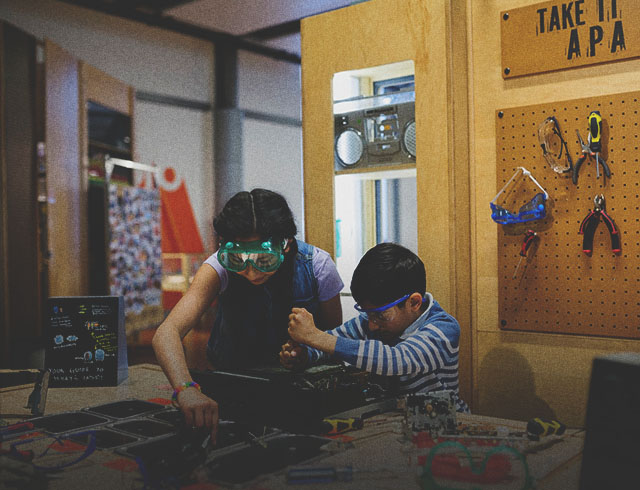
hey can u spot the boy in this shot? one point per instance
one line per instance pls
(401, 331)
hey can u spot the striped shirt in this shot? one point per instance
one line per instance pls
(425, 356)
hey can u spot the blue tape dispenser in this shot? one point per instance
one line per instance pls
(534, 209)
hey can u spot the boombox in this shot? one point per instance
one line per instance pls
(375, 137)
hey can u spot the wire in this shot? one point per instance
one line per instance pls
(89, 449)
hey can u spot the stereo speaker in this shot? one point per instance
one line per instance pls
(375, 137)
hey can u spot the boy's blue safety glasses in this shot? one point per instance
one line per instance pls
(263, 255)
(381, 313)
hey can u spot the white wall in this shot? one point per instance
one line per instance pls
(161, 62)
(272, 160)
(175, 140)
(272, 150)
(268, 85)
(150, 60)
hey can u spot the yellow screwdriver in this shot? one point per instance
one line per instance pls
(595, 134)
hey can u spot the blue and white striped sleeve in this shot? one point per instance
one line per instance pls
(426, 351)
(351, 330)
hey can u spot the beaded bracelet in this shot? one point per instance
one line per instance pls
(182, 387)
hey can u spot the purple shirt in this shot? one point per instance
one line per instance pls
(329, 281)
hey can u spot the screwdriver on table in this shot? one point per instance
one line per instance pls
(334, 426)
(539, 427)
(526, 243)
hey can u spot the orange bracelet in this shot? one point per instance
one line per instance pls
(182, 387)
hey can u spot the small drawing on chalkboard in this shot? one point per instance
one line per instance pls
(86, 341)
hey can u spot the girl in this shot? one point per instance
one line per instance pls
(259, 273)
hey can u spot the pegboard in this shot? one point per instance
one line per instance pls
(558, 288)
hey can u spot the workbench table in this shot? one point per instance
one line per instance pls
(379, 454)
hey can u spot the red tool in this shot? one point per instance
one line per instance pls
(529, 236)
(590, 223)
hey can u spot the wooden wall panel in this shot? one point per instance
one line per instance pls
(559, 288)
(4, 218)
(524, 376)
(376, 33)
(21, 127)
(67, 223)
(558, 366)
(106, 90)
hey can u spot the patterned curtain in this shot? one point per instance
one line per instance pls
(135, 254)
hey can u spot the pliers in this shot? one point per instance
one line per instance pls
(590, 223)
(586, 153)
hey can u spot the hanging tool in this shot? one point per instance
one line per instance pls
(553, 144)
(594, 138)
(539, 427)
(533, 210)
(529, 236)
(591, 222)
(588, 152)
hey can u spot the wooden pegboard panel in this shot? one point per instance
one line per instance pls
(558, 288)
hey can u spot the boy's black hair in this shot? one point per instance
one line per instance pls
(386, 273)
(259, 212)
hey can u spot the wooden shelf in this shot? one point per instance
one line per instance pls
(110, 149)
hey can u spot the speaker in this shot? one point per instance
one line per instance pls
(349, 144)
(375, 137)
(409, 138)
(611, 457)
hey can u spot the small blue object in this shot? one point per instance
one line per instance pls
(533, 210)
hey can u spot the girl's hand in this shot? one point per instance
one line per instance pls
(199, 410)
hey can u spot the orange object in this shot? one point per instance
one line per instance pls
(179, 228)
(122, 464)
(170, 299)
(160, 401)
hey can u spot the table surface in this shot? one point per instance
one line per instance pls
(381, 456)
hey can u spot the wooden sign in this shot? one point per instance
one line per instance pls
(560, 35)
(85, 341)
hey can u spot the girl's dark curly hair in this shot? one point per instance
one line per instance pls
(259, 212)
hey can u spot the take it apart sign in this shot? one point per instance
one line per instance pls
(556, 35)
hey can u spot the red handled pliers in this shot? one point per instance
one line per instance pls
(590, 223)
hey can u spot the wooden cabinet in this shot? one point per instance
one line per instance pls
(23, 247)
(45, 152)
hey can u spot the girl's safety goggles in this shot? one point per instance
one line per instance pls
(264, 256)
(382, 313)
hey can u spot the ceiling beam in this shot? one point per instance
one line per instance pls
(278, 30)
(171, 24)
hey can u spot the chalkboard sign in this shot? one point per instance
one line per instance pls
(85, 341)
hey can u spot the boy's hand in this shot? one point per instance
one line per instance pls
(293, 355)
(301, 326)
(302, 330)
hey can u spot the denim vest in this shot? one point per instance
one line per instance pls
(251, 323)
